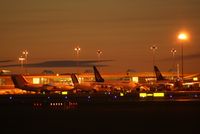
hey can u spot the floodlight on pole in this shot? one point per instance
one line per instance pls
(182, 37)
(154, 48)
(99, 52)
(173, 51)
(21, 60)
(25, 53)
(77, 49)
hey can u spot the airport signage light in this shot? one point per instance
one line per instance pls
(158, 94)
(149, 94)
(143, 95)
(64, 93)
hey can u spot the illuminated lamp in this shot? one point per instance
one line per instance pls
(158, 94)
(121, 94)
(195, 79)
(143, 95)
(64, 93)
(36, 80)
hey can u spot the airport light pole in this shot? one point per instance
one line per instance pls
(173, 51)
(154, 48)
(25, 53)
(182, 37)
(99, 52)
(77, 49)
(21, 60)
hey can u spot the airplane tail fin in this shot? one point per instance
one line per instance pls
(158, 74)
(97, 75)
(74, 79)
(19, 81)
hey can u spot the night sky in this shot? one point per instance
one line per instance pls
(123, 30)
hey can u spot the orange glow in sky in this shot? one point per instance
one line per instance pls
(123, 30)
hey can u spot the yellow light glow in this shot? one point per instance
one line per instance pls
(121, 94)
(64, 93)
(195, 79)
(158, 94)
(150, 94)
(36, 80)
(182, 36)
(135, 79)
(143, 95)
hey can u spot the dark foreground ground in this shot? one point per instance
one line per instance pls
(134, 116)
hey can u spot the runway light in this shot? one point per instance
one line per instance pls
(10, 97)
(65, 97)
(48, 97)
(64, 93)
(170, 96)
(158, 94)
(89, 97)
(115, 97)
(143, 95)
(121, 94)
(195, 95)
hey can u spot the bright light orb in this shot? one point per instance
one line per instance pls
(182, 36)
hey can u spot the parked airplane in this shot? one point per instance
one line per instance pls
(177, 83)
(21, 83)
(117, 85)
(163, 83)
(86, 86)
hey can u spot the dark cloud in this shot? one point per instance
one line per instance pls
(3, 61)
(186, 57)
(193, 56)
(63, 63)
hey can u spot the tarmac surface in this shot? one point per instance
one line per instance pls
(100, 113)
